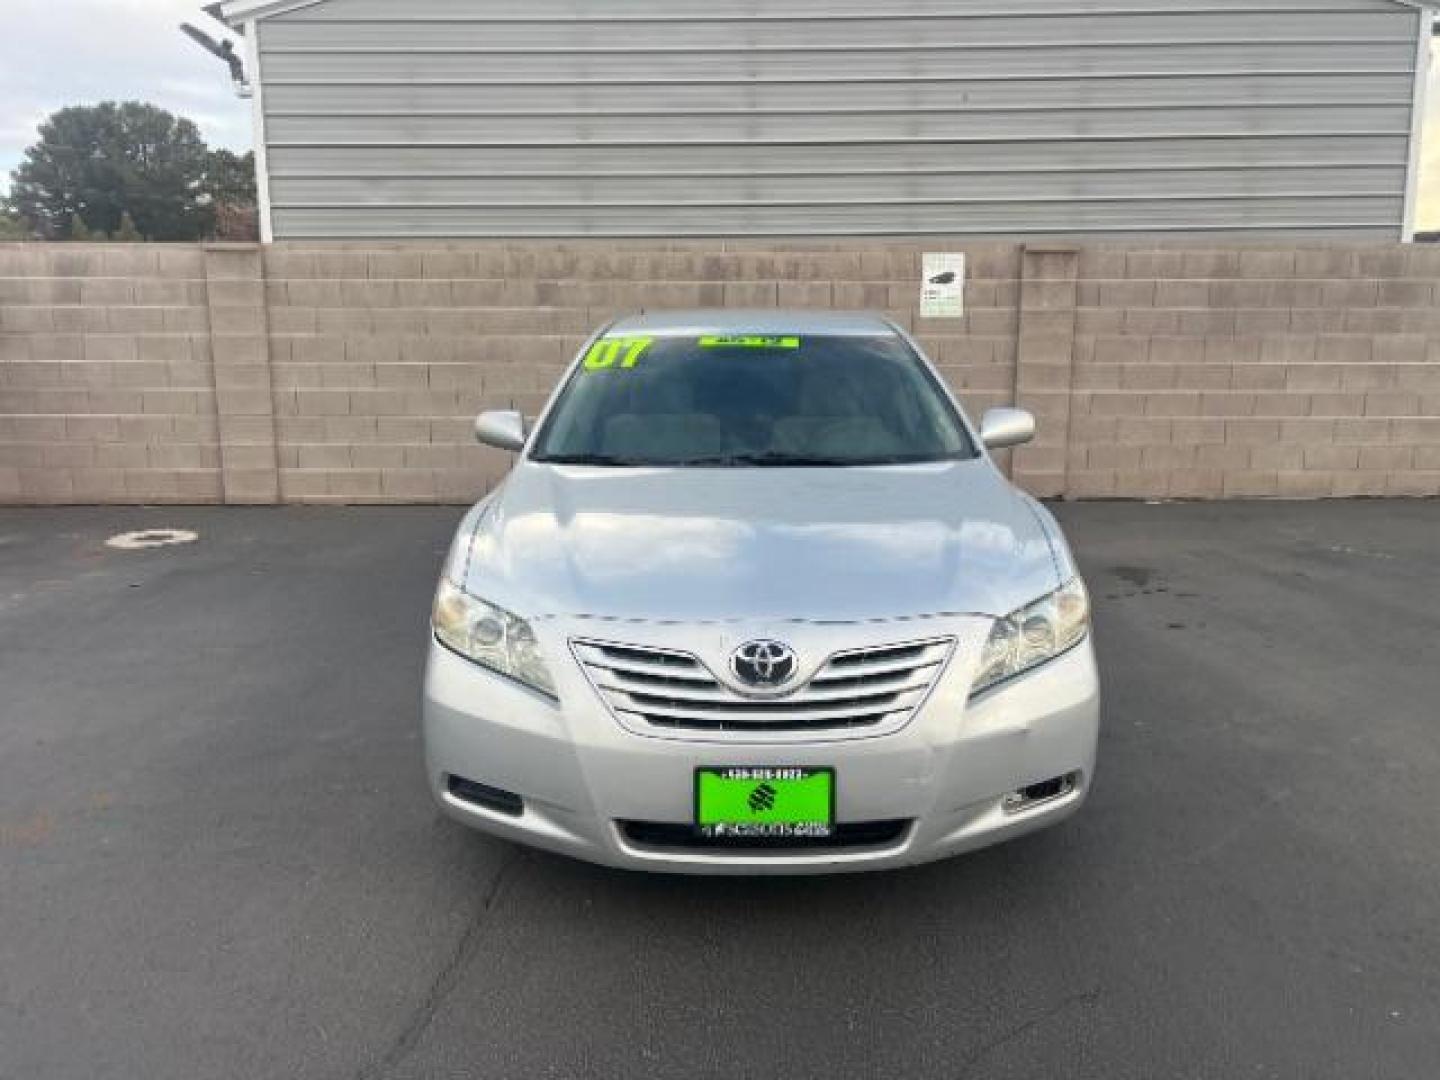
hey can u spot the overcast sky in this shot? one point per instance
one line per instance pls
(55, 53)
(68, 52)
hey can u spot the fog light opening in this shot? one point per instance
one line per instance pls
(486, 797)
(1047, 791)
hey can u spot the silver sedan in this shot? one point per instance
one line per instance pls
(755, 599)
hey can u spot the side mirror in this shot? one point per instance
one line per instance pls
(1001, 428)
(503, 430)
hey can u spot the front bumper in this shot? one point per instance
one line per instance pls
(942, 781)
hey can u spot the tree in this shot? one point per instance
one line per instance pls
(79, 231)
(230, 185)
(11, 227)
(127, 233)
(96, 163)
(230, 178)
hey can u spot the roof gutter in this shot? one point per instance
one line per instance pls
(236, 13)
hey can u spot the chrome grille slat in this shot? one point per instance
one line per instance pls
(679, 709)
(829, 675)
(720, 718)
(652, 661)
(876, 657)
(647, 656)
(700, 693)
(676, 691)
(651, 676)
(888, 659)
(703, 695)
(753, 726)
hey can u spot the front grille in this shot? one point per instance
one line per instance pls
(857, 689)
(863, 834)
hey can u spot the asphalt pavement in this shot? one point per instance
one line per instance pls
(218, 857)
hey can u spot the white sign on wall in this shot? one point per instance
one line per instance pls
(942, 292)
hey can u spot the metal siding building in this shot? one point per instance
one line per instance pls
(683, 118)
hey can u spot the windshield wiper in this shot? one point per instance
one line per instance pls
(730, 461)
(599, 460)
(767, 461)
(806, 461)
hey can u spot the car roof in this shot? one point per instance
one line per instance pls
(760, 321)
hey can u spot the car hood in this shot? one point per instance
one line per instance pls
(742, 544)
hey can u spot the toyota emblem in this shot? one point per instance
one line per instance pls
(765, 665)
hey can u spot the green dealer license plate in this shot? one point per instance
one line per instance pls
(761, 804)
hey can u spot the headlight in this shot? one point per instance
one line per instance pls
(490, 636)
(1028, 637)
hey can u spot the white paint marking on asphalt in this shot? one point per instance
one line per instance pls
(152, 538)
(1359, 553)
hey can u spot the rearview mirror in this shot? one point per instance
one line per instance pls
(1001, 428)
(504, 430)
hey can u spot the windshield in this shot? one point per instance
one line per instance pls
(727, 401)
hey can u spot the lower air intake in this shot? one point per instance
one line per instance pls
(482, 795)
(663, 835)
(1046, 791)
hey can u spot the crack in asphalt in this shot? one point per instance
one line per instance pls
(447, 978)
(967, 1067)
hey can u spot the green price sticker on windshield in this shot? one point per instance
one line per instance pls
(617, 352)
(750, 342)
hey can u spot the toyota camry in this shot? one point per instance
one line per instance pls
(756, 598)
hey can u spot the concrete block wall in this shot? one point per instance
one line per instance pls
(107, 391)
(352, 373)
(1256, 373)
